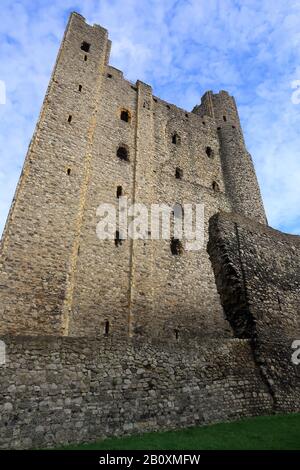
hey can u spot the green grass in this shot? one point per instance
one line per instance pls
(281, 432)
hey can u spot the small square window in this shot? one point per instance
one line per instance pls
(209, 152)
(176, 247)
(175, 139)
(85, 46)
(122, 153)
(125, 115)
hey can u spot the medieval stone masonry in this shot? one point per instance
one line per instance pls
(107, 337)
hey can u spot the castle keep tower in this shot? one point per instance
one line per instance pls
(104, 337)
(99, 137)
(238, 170)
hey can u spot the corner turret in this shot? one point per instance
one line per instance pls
(237, 165)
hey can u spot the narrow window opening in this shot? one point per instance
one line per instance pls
(80, 88)
(175, 139)
(85, 58)
(118, 240)
(119, 191)
(224, 118)
(215, 186)
(279, 302)
(69, 171)
(209, 152)
(125, 116)
(176, 246)
(106, 328)
(176, 331)
(85, 46)
(122, 153)
(178, 173)
(70, 119)
(109, 75)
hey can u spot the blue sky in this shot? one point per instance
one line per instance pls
(182, 48)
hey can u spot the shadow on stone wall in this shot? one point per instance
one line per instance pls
(257, 271)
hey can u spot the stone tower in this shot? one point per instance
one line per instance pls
(108, 337)
(57, 277)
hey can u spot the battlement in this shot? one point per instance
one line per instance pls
(81, 18)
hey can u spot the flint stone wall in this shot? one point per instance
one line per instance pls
(65, 390)
(257, 271)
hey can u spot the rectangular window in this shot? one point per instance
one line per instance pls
(178, 173)
(119, 191)
(85, 46)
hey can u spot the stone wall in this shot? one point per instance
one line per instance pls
(241, 185)
(56, 276)
(40, 241)
(60, 390)
(56, 391)
(257, 271)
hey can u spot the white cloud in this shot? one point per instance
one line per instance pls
(181, 48)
